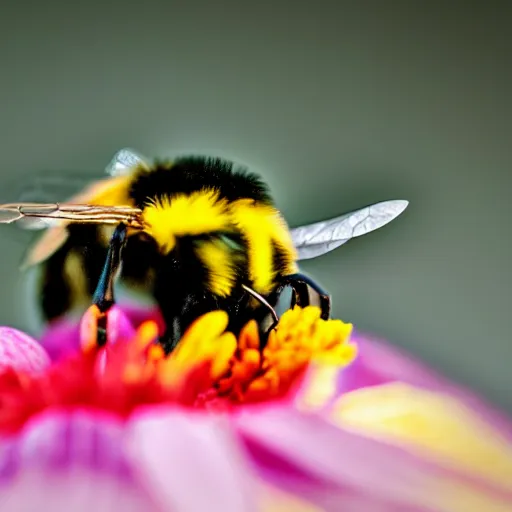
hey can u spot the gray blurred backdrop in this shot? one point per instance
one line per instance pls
(338, 105)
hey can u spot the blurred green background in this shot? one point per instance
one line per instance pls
(337, 104)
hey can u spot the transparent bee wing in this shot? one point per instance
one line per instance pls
(316, 239)
(32, 223)
(49, 188)
(54, 187)
(124, 160)
(75, 213)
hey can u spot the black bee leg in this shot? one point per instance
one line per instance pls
(103, 297)
(305, 293)
(308, 293)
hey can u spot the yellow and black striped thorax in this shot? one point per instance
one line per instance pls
(225, 217)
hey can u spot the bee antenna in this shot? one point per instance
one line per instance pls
(263, 301)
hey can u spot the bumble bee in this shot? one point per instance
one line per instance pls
(196, 233)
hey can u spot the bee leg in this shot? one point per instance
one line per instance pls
(103, 297)
(308, 293)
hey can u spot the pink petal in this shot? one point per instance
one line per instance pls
(378, 362)
(353, 468)
(21, 352)
(192, 462)
(62, 336)
(138, 314)
(69, 461)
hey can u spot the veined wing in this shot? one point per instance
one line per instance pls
(319, 238)
(70, 213)
(48, 188)
(61, 186)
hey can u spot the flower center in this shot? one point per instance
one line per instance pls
(210, 368)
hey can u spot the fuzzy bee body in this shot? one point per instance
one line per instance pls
(208, 229)
(196, 234)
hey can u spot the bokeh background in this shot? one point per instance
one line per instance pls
(337, 104)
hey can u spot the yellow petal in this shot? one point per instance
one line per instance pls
(199, 344)
(319, 387)
(437, 425)
(249, 336)
(341, 355)
(146, 334)
(223, 354)
(310, 314)
(200, 333)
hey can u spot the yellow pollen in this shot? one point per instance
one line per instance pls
(235, 369)
(147, 333)
(204, 341)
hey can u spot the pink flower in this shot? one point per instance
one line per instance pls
(62, 337)
(20, 352)
(123, 428)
